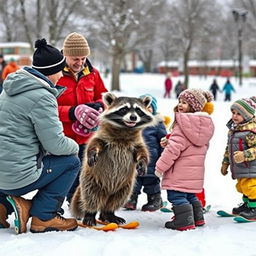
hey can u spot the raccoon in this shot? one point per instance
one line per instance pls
(113, 157)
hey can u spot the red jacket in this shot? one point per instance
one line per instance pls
(10, 68)
(168, 84)
(88, 88)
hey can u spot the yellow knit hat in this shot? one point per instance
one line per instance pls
(76, 45)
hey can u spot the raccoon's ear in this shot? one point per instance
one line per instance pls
(108, 98)
(147, 101)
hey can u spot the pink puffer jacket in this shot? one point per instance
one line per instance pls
(182, 161)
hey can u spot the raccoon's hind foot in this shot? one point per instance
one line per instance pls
(89, 219)
(111, 217)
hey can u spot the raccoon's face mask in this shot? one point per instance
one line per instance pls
(127, 112)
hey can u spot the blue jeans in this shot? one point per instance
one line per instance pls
(151, 185)
(58, 174)
(179, 198)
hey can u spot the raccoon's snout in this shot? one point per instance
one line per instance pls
(131, 120)
(133, 117)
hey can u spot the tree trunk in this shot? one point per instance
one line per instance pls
(146, 58)
(186, 69)
(147, 66)
(116, 66)
(25, 24)
(39, 19)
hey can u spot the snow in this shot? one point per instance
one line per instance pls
(220, 236)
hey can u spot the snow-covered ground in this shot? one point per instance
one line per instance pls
(220, 236)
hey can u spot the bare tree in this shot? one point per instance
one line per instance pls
(249, 30)
(26, 23)
(120, 27)
(148, 48)
(166, 40)
(189, 18)
(8, 16)
(146, 56)
(207, 44)
(39, 19)
(59, 13)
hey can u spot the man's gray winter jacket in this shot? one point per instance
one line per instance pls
(29, 125)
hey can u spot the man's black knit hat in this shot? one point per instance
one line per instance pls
(47, 59)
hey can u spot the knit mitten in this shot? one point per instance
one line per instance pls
(80, 129)
(87, 116)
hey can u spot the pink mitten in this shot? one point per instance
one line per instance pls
(87, 116)
(80, 129)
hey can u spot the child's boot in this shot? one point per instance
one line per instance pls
(242, 207)
(154, 203)
(183, 218)
(132, 203)
(250, 211)
(239, 209)
(198, 213)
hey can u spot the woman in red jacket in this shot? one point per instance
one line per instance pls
(81, 102)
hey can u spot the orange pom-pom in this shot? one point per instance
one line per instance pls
(208, 107)
(167, 121)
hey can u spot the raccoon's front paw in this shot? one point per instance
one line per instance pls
(92, 158)
(141, 167)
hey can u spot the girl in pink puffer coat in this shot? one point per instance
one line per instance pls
(182, 162)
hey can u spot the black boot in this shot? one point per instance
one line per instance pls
(249, 213)
(132, 203)
(241, 208)
(198, 213)
(154, 203)
(183, 218)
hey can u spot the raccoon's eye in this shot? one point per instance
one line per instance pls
(139, 112)
(123, 110)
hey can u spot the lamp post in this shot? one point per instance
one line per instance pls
(240, 18)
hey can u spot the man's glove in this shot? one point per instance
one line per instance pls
(87, 116)
(224, 169)
(238, 156)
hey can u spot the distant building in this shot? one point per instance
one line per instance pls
(20, 51)
(224, 68)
